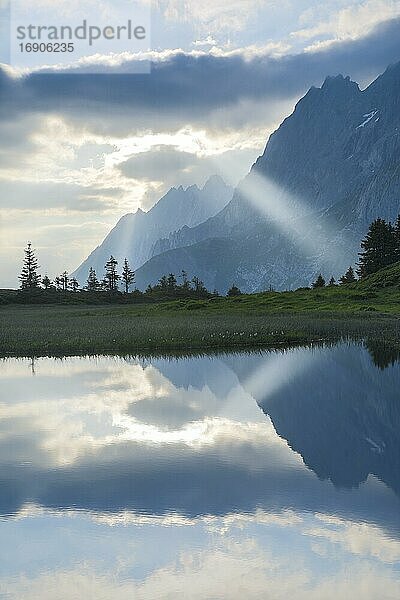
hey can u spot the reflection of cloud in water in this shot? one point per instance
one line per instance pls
(165, 478)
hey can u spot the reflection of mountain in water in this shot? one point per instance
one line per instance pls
(341, 413)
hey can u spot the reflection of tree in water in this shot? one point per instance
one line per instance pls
(383, 354)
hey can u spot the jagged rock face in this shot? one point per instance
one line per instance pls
(135, 235)
(331, 168)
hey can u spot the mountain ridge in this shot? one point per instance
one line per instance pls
(331, 165)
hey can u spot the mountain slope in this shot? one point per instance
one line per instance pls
(135, 235)
(330, 168)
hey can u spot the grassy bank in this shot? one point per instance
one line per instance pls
(58, 330)
(368, 309)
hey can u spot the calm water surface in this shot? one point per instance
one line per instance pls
(265, 476)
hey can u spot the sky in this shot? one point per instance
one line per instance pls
(79, 150)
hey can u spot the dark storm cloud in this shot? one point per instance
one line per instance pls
(189, 87)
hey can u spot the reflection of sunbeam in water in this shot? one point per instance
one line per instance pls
(276, 371)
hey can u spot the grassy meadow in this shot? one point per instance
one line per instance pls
(367, 309)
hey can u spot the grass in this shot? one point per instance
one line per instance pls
(367, 309)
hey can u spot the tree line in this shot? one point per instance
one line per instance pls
(112, 282)
(380, 248)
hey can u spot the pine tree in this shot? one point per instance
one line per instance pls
(58, 283)
(64, 279)
(171, 283)
(92, 283)
(185, 281)
(378, 248)
(234, 291)
(332, 282)
(46, 283)
(348, 277)
(397, 238)
(111, 277)
(29, 278)
(319, 282)
(163, 282)
(74, 284)
(199, 287)
(128, 276)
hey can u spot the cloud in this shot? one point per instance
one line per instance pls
(227, 568)
(187, 89)
(351, 22)
(211, 15)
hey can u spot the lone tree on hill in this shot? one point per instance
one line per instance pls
(29, 278)
(234, 291)
(111, 277)
(319, 282)
(128, 276)
(348, 277)
(92, 283)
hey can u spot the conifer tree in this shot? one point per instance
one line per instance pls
(92, 283)
(46, 283)
(332, 282)
(29, 278)
(128, 276)
(319, 282)
(185, 281)
(378, 248)
(199, 287)
(64, 279)
(348, 277)
(74, 284)
(171, 282)
(111, 277)
(234, 291)
(397, 238)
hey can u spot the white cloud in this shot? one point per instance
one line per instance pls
(362, 539)
(233, 569)
(351, 22)
(211, 15)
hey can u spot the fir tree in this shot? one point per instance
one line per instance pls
(185, 281)
(378, 248)
(332, 282)
(64, 279)
(92, 283)
(111, 277)
(171, 283)
(46, 283)
(199, 287)
(234, 291)
(74, 284)
(58, 283)
(348, 277)
(319, 282)
(128, 276)
(29, 278)
(397, 238)
(163, 283)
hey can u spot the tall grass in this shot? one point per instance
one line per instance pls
(58, 330)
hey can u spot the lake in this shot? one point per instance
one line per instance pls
(241, 476)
